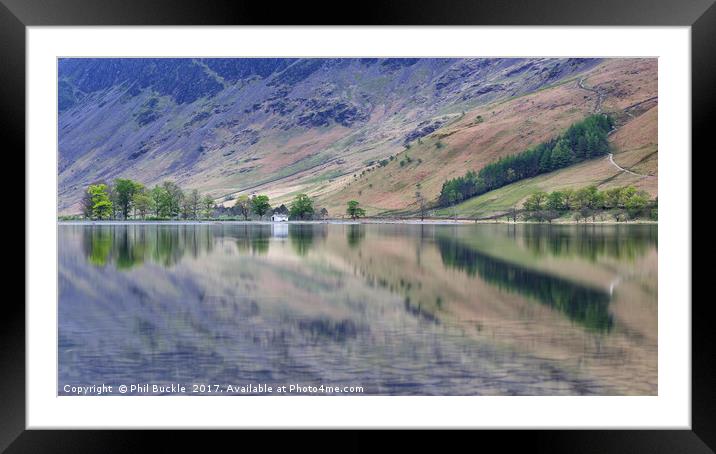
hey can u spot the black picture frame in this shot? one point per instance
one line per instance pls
(700, 15)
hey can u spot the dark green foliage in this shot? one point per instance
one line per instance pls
(301, 207)
(555, 201)
(260, 205)
(584, 140)
(536, 201)
(124, 190)
(168, 198)
(654, 210)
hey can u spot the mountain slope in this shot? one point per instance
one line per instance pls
(624, 88)
(279, 126)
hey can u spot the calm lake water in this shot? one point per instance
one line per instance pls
(396, 309)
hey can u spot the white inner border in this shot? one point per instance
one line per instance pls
(670, 409)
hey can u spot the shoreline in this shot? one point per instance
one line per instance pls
(352, 222)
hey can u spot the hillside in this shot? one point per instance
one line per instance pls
(624, 88)
(279, 126)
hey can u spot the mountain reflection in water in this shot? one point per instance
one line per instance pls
(397, 309)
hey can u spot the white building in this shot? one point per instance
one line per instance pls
(278, 217)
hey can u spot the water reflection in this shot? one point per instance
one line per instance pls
(253, 239)
(355, 234)
(126, 246)
(302, 236)
(322, 329)
(582, 304)
(398, 309)
(590, 241)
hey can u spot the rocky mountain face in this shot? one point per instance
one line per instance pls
(277, 125)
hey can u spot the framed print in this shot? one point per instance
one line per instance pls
(423, 218)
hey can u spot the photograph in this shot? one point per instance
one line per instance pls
(411, 217)
(357, 226)
(414, 216)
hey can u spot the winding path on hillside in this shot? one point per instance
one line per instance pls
(600, 95)
(598, 108)
(611, 159)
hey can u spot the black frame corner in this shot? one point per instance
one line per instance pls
(700, 15)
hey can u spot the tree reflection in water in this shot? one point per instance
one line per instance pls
(355, 234)
(381, 305)
(585, 305)
(303, 236)
(127, 246)
(590, 241)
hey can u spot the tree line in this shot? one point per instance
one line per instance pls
(583, 140)
(126, 199)
(245, 207)
(623, 203)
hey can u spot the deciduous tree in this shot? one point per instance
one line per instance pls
(422, 204)
(124, 190)
(242, 206)
(354, 210)
(260, 205)
(535, 202)
(101, 204)
(142, 203)
(555, 201)
(173, 197)
(208, 206)
(301, 207)
(193, 203)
